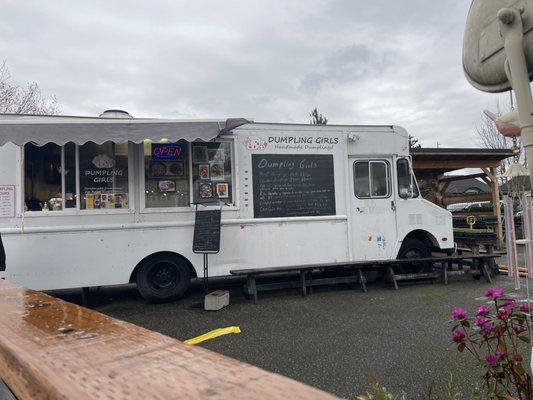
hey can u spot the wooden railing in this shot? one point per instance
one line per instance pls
(51, 349)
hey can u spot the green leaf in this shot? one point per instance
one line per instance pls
(524, 338)
(501, 394)
(461, 347)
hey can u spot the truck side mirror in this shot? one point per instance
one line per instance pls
(405, 193)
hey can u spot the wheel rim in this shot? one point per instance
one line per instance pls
(413, 253)
(415, 266)
(163, 275)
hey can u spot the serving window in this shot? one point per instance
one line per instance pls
(178, 174)
(166, 174)
(212, 174)
(104, 176)
(91, 176)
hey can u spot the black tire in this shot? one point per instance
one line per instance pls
(162, 278)
(413, 248)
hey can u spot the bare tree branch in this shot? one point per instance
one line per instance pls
(24, 100)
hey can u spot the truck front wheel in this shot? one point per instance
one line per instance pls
(413, 249)
(161, 278)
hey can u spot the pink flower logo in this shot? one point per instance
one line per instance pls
(255, 143)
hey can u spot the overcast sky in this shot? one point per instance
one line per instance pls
(359, 62)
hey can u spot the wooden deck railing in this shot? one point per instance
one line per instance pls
(51, 349)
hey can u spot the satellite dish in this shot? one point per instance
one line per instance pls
(483, 52)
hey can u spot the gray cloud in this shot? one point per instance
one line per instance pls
(379, 62)
(346, 65)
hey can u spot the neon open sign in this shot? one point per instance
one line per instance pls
(166, 151)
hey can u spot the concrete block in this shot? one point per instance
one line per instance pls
(216, 300)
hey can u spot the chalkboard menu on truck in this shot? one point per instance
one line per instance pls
(206, 237)
(289, 185)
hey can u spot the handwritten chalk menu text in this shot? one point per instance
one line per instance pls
(206, 237)
(287, 185)
(7, 201)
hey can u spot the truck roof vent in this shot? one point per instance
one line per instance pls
(115, 114)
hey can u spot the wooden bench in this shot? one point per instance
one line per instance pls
(480, 262)
(51, 350)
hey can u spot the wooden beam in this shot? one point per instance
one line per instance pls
(51, 349)
(486, 179)
(452, 165)
(437, 193)
(444, 187)
(490, 173)
(450, 178)
(471, 198)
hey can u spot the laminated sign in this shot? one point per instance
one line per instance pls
(7, 201)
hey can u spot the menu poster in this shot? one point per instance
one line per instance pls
(7, 201)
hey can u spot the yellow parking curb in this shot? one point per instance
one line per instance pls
(213, 334)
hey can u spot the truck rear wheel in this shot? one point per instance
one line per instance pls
(413, 249)
(161, 278)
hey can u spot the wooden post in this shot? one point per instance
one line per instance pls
(496, 211)
(440, 187)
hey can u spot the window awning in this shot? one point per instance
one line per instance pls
(41, 129)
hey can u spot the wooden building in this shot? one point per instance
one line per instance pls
(431, 165)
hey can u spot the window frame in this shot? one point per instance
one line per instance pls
(387, 173)
(155, 210)
(411, 174)
(77, 210)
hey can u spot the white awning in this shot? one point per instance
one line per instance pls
(41, 129)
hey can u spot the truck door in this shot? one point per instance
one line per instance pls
(373, 205)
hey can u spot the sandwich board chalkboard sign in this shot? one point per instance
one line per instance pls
(206, 239)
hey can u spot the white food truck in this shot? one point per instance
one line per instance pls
(93, 201)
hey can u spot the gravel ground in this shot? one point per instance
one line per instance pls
(334, 339)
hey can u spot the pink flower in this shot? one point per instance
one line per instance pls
(480, 321)
(524, 307)
(504, 313)
(458, 336)
(487, 328)
(509, 303)
(494, 293)
(459, 313)
(483, 310)
(492, 360)
(518, 358)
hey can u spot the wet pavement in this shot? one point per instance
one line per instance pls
(334, 339)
